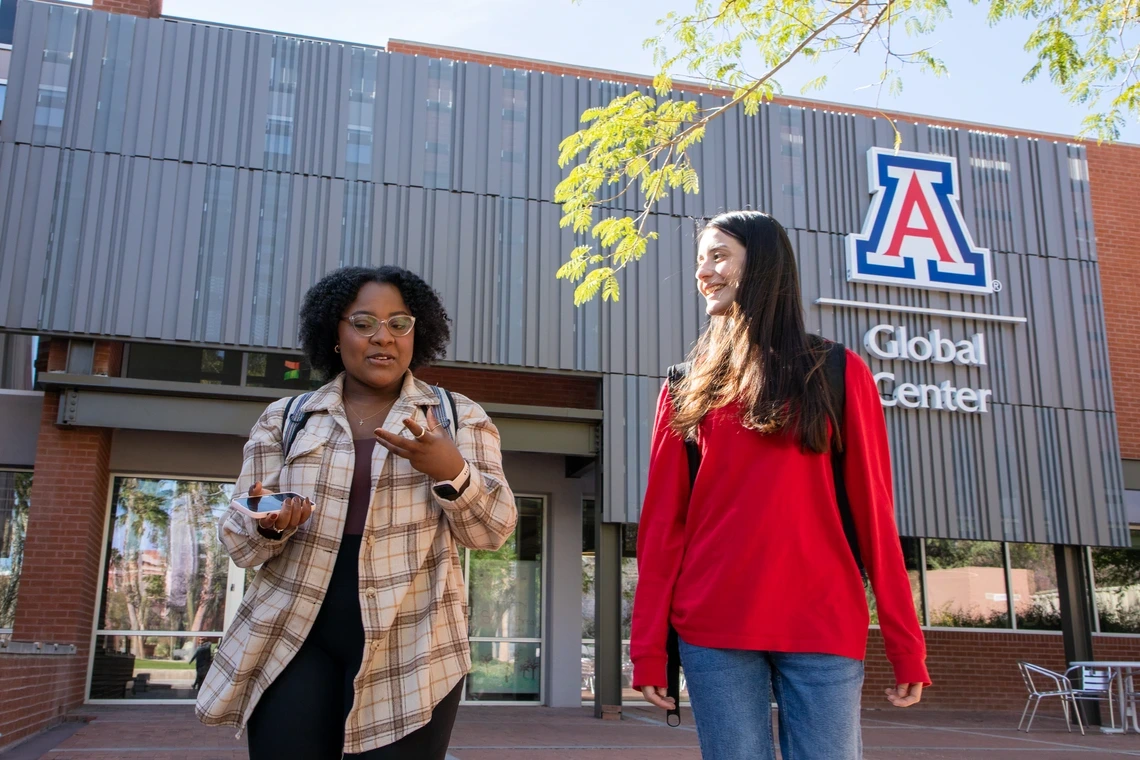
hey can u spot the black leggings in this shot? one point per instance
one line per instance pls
(301, 715)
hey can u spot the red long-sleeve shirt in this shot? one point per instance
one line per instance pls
(757, 558)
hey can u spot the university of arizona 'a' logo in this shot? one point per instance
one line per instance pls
(914, 235)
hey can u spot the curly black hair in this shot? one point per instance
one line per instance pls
(326, 301)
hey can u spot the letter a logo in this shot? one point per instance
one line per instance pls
(914, 235)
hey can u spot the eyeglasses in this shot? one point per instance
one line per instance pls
(367, 325)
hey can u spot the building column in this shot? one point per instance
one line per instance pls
(1075, 598)
(607, 613)
(60, 575)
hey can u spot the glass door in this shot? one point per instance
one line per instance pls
(504, 617)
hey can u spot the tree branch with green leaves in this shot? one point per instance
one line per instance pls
(640, 142)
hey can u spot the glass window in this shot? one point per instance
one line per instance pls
(269, 268)
(183, 364)
(3, 97)
(214, 253)
(1116, 577)
(55, 76)
(506, 584)
(15, 496)
(912, 556)
(166, 570)
(504, 590)
(111, 111)
(503, 671)
(7, 21)
(1033, 578)
(514, 137)
(281, 371)
(965, 584)
(282, 107)
(164, 588)
(361, 113)
(356, 224)
(437, 161)
(150, 667)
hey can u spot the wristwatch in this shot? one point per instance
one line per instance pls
(450, 489)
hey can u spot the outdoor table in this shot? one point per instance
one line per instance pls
(1124, 669)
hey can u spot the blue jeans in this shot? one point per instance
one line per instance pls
(817, 695)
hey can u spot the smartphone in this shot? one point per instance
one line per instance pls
(260, 506)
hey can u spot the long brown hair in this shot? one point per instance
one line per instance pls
(760, 353)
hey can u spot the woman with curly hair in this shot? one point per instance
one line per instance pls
(352, 637)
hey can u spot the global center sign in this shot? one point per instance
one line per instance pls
(889, 342)
(915, 236)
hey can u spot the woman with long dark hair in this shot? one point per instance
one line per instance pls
(750, 561)
(352, 639)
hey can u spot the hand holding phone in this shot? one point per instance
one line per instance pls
(274, 511)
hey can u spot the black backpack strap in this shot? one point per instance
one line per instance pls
(292, 420)
(676, 374)
(835, 372)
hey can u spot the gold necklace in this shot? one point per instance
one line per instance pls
(361, 420)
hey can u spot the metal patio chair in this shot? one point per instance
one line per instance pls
(1042, 682)
(1096, 685)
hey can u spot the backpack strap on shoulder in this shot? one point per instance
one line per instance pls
(835, 373)
(292, 420)
(676, 374)
(447, 413)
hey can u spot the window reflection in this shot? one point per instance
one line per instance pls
(166, 569)
(287, 371)
(282, 107)
(506, 584)
(15, 497)
(1033, 575)
(7, 21)
(111, 111)
(181, 364)
(505, 612)
(513, 151)
(503, 671)
(912, 557)
(965, 584)
(437, 160)
(55, 76)
(361, 113)
(150, 667)
(1116, 576)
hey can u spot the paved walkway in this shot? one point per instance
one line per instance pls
(536, 733)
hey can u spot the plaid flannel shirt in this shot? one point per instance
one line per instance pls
(412, 597)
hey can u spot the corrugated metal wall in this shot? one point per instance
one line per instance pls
(175, 181)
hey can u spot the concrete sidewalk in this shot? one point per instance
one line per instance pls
(537, 733)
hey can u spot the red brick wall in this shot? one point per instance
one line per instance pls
(977, 670)
(144, 8)
(108, 360)
(529, 388)
(1113, 173)
(38, 691)
(60, 577)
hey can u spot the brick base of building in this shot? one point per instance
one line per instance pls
(977, 670)
(39, 692)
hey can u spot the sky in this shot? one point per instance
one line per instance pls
(984, 85)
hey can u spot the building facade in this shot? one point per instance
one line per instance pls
(170, 188)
